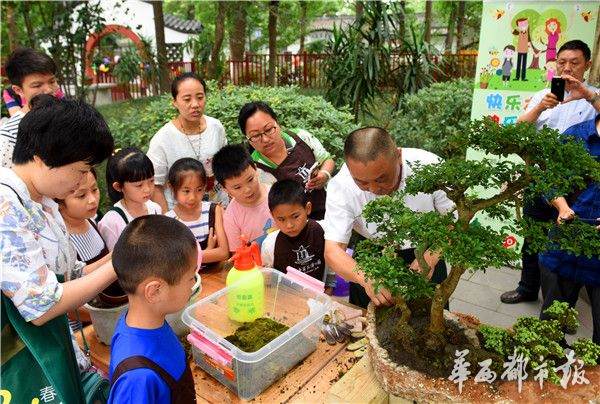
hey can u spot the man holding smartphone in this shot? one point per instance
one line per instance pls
(581, 103)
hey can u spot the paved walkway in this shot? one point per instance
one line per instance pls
(479, 294)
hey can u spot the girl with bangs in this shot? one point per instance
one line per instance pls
(130, 183)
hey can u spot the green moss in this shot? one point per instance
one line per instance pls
(250, 337)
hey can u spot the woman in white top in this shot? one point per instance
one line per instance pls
(190, 134)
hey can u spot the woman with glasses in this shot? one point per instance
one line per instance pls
(191, 134)
(287, 154)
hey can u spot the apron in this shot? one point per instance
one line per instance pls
(295, 167)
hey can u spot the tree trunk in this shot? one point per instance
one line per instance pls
(303, 7)
(215, 52)
(237, 38)
(13, 41)
(402, 21)
(442, 293)
(535, 60)
(273, 10)
(359, 9)
(460, 24)
(428, 7)
(28, 26)
(595, 71)
(450, 29)
(161, 48)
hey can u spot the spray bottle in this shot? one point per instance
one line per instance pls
(245, 299)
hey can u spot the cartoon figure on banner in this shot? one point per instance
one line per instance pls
(553, 31)
(507, 64)
(550, 71)
(523, 45)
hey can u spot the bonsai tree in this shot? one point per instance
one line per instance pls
(551, 165)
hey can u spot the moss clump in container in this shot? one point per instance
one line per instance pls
(250, 337)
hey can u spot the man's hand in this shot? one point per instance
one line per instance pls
(549, 101)
(565, 214)
(577, 90)
(431, 258)
(382, 298)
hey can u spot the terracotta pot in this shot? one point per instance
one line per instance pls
(406, 383)
(483, 84)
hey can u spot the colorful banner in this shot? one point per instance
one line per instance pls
(518, 48)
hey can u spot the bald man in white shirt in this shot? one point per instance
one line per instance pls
(374, 167)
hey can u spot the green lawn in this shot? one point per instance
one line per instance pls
(536, 79)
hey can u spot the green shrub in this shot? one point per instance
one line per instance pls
(427, 119)
(135, 126)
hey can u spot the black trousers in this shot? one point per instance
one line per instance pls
(359, 297)
(556, 287)
(521, 65)
(529, 285)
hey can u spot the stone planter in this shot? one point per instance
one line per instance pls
(406, 383)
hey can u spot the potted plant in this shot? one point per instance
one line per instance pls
(414, 342)
(484, 77)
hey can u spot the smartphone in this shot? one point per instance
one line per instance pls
(557, 88)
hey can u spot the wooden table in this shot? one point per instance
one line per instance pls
(309, 381)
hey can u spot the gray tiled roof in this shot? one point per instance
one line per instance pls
(181, 25)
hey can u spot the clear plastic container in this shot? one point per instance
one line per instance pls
(292, 299)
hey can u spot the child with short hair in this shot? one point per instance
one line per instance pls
(187, 179)
(156, 261)
(300, 241)
(30, 73)
(130, 183)
(248, 213)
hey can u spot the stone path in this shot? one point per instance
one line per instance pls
(479, 294)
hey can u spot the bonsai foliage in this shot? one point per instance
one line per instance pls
(550, 164)
(541, 340)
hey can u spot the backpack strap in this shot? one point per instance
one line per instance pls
(141, 362)
(120, 212)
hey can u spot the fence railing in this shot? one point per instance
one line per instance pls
(303, 69)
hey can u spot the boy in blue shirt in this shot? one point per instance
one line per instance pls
(156, 260)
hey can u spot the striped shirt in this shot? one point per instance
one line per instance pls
(88, 245)
(199, 227)
(8, 138)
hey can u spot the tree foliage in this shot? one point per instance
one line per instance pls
(549, 163)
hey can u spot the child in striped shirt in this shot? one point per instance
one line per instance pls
(187, 179)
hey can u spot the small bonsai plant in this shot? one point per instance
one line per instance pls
(484, 77)
(550, 164)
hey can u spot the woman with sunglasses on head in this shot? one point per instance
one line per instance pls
(287, 154)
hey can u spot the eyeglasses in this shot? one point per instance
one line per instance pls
(259, 136)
